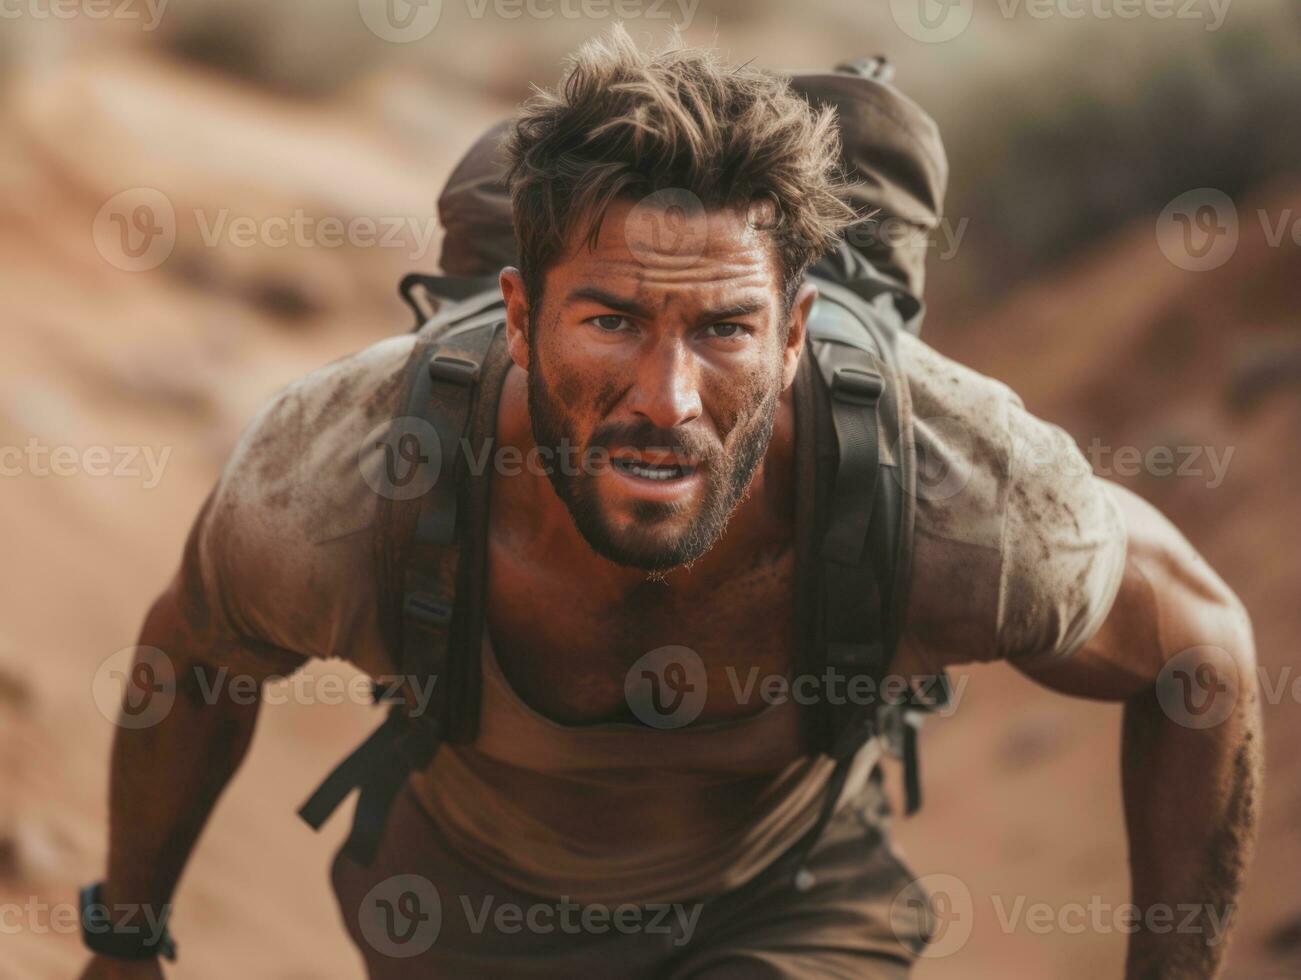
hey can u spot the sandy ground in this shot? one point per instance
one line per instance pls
(1022, 786)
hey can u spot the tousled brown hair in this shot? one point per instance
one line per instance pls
(624, 123)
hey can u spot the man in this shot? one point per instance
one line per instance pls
(618, 847)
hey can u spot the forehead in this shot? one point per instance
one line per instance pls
(669, 247)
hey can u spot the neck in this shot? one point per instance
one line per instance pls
(538, 524)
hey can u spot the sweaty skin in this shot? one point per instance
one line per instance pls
(650, 359)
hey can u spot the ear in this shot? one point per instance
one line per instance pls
(517, 315)
(799, 318)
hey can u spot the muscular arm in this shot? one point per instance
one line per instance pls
(276, 570)
(167, 775)
(1177, 648)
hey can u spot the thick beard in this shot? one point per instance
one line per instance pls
(727, 478)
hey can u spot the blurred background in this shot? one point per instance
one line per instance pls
(201, 200)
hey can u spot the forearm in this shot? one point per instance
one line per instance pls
(166, 777)
(1191, 798)
(1177, 649)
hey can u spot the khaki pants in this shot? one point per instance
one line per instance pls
(421, 911)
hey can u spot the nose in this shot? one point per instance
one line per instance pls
(666, 390)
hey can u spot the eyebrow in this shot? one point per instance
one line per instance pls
(620, 303)
(633, 308)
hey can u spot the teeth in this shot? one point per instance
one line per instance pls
(648, 471)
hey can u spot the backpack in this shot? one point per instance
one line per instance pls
(430, 549)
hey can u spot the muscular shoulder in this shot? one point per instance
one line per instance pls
(281, 553)
(1018, 547)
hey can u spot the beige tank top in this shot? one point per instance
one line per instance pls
(621, 813)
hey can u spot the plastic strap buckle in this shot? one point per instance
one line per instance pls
(427, 610)
(453, 370)
(854, 386)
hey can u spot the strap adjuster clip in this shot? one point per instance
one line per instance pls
(856, 386)
(453, 370)
(426, 609)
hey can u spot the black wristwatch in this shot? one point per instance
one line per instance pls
(136, 938)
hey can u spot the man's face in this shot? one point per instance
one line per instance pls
(657, 358)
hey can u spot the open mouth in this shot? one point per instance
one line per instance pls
(651, 471)
(656, 467)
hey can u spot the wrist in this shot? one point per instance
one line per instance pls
(124, 932)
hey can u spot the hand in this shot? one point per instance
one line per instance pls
(106, 968)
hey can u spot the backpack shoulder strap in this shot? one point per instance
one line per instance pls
(866, 525)
(429, 547)
(865, 499)
(867, 522)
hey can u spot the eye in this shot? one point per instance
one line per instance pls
(609, 322)
(725, 331)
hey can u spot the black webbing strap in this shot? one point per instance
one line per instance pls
(859, 547)
(855, 635)
(447, 388)
(377, 769)
(900, 723)
(441, 392)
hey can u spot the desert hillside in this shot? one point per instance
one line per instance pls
(1113, 343)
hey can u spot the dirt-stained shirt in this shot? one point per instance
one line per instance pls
(1017, 554)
